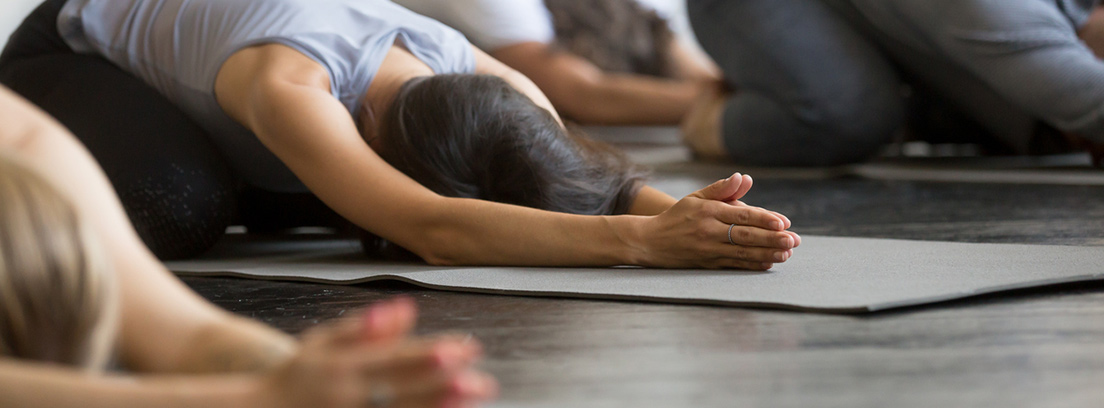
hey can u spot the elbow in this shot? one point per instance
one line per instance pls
(441, 256)
(440, 259)
(440, 246)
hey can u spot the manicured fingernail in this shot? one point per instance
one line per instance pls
(767, 266)
(780, 257)
(778, 225)
(786, 242)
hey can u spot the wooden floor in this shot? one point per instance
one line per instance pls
(1040, 348)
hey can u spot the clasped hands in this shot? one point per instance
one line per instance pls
(373, 362)
(712, 228)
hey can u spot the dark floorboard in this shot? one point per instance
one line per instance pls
(1040, 348)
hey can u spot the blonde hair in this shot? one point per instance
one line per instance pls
(58, 298)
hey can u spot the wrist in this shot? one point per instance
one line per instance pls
(236, 345)
(628, 231)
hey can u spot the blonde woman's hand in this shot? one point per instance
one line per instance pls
(696, 231)
(371, 363)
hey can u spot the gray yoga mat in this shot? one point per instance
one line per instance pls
(826, 273)
(661, 148)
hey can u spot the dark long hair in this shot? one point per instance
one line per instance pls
(615, 35)
(475, 136)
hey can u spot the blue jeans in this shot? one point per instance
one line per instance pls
(819, 80)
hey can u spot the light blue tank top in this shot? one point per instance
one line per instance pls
(178, 46)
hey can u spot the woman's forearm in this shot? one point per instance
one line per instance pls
(476, 232)
(627, 99)
(236, 345)
(693, 233)
(582, 91)
(39, 385)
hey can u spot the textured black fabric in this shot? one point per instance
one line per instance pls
(175, 187)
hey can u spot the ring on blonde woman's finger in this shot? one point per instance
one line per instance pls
(380, 395)
(730, 227)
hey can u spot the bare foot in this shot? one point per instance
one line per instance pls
(1092, 33)
(1095, 149)
(701, 129)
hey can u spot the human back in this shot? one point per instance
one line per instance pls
(179, 47)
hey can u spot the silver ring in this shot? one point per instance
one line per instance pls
(730, 227)
(381, 395)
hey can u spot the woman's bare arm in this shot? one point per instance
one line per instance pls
(585, 93)
(337, 366)
(283, 96)
(165, 326)
(24, 384)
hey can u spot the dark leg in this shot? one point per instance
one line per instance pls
(811, 90)
(1008, 64)
(174, 185)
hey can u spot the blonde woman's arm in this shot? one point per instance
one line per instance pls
(339, 365)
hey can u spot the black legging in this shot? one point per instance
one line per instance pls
(176, 187)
